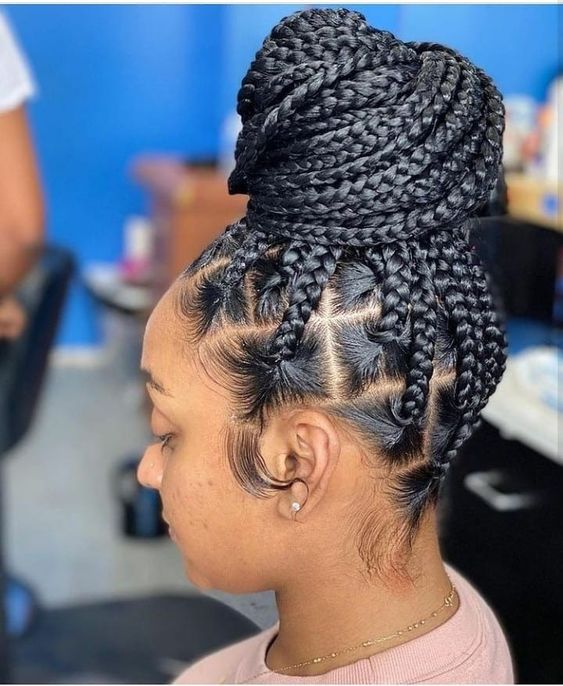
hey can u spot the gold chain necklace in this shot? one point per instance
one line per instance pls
(448, 602)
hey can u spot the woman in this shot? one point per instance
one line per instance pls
(315, 371)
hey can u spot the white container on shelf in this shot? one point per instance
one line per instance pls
(553, 139)
(524, 405)
(229, 134)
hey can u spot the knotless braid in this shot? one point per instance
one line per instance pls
(494, 330)
(392, 265)
(351, 283)
(252, 247)
(423, 317)
(316, 265)
(220, 246)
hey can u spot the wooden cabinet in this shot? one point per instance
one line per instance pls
(189, 205)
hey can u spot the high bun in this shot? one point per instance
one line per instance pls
(352, 137)
(351, 284)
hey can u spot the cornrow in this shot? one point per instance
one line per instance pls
(351, 283)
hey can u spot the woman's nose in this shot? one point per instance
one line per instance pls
(149, 470)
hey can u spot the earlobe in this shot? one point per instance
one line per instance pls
(297, 497)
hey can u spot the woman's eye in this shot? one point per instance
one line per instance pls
(164, 440)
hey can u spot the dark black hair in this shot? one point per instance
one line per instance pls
(352, 284)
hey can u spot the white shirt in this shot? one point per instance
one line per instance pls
(16, 82)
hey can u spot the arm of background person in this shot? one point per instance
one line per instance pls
(21, 200)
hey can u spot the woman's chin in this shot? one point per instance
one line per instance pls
(195, 580)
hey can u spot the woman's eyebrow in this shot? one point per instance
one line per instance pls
(153, 383)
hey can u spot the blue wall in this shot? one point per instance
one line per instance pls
(517, 45)
(118, 80)
(114, 81)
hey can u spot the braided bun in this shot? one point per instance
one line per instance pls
(353, 137)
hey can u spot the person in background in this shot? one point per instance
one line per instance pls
(21, 197)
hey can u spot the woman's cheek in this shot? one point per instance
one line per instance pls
(185, 501)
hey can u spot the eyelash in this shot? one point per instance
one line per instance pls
(164, 440)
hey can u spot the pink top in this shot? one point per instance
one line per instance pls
(468, 648)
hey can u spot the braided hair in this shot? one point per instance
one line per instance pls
(351, 283)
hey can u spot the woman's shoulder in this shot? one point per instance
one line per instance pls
(219, 666)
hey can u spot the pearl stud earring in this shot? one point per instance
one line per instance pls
(295, 506)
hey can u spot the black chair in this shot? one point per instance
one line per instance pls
(23, 363)
(146, 639)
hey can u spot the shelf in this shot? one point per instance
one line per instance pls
(535, 201)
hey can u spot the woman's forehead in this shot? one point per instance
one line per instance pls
(162, 341)
(168, 356)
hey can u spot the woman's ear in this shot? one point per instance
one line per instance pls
(304, 445)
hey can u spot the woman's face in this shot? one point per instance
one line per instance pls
(224, 534)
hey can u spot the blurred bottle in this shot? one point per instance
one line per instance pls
(229, 134)
(551, 145)
(137, 262)
(542, 147)
(521, 113)
(141, 507)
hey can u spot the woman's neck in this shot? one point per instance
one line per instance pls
(330, 610)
